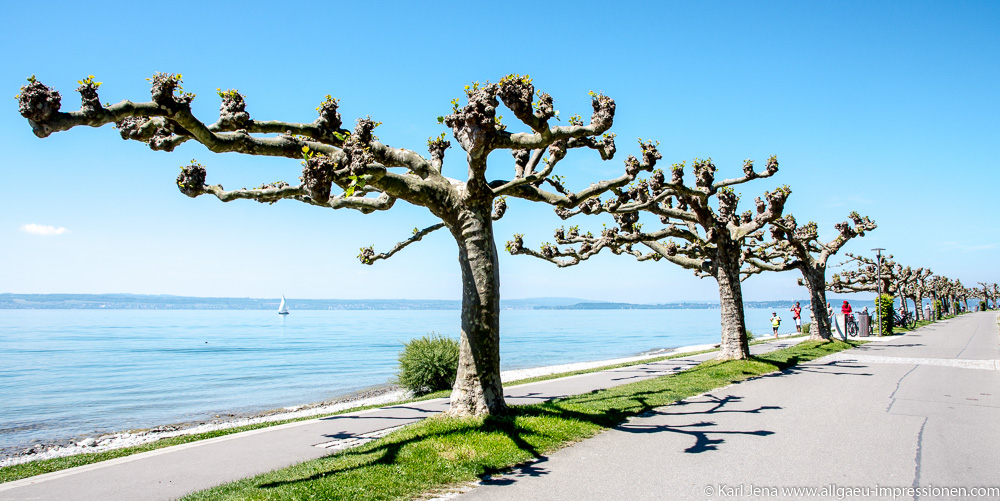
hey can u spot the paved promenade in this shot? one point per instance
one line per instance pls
(920, 412)
(172, 472)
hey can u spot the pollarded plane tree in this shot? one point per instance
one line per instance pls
(937, 285)
(921, 287)
(907, 287)
(975, 293)
(866, 276)
(969, 293)
(958, 296)
(353, 170)
(958, 293)
(988, 293)
(798, 247)
(715, 241)
(916, 285)
(945, 288)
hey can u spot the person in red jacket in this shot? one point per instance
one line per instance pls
(846, 309)
(797, 317)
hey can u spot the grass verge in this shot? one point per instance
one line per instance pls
(439, 451)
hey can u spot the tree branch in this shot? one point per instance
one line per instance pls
(749, 174)
(368, 256)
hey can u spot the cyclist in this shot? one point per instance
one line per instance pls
(848, 314)
(846, 309)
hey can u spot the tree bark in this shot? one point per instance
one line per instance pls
(734, 331)
(477, 388)
(821, 329)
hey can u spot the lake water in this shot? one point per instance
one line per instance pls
(74, 373)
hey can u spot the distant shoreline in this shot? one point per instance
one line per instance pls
(167, 302)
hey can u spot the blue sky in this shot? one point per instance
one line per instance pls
(887, 108)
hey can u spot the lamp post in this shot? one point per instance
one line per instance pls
(878, 287)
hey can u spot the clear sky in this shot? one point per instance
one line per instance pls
(888, 108)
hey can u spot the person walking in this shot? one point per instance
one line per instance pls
(775, 322)
(797, 317)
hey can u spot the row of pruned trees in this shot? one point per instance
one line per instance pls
(910, 285)
(698, 225)
(696, 222)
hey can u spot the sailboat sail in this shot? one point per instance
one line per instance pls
(282, 308)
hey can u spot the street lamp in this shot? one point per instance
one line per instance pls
(878, 287)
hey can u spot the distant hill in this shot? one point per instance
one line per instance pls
(629, 306)
(679, 305)
(167, 302)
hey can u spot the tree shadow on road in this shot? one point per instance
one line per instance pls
(703, 441)
(701, 430)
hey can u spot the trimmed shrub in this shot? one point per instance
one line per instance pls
(428, 364)
(937, 309)
(805, 327)
(886, 306)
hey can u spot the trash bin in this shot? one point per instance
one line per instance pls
(864, 320)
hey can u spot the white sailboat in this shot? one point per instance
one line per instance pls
(282, 308)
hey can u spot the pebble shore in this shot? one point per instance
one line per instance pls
(382, 395)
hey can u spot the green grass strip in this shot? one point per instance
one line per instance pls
(439, 452)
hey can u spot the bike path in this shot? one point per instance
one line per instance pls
(173, 472)
(890, 420)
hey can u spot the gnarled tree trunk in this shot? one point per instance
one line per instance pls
(815, 281)
(477, 388)
(734, 331)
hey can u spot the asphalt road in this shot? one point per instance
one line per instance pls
(911, 417)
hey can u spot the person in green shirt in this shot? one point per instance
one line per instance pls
(775, 322)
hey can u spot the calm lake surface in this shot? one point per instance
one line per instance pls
(75, 373)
